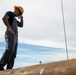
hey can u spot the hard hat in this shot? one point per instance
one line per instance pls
(20, 8)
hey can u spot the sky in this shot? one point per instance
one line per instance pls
(28, 55)
(43, 24)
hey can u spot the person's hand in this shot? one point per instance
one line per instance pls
(20, 17)
(11, 31)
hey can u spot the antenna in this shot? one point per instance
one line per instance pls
(64, 30)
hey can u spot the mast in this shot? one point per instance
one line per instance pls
(64, 30)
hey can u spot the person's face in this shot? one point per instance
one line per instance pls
(16, 12)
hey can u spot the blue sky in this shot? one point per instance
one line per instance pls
(42, 27)
(28, 54)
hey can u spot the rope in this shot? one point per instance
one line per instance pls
(64, 30)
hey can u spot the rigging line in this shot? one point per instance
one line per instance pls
(64, 30)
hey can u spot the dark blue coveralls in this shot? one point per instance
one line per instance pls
(11, 43)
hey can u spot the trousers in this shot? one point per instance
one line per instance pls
(9, 55)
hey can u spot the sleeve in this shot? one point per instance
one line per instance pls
(8, 13)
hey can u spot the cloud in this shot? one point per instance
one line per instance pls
(43, 22)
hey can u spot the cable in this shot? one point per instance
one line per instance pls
(64, 30)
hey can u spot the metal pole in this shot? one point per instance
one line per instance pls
(64, 30)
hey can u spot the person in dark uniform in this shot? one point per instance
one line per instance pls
(11, 36)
